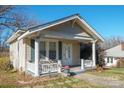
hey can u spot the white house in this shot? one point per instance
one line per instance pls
(112, 55)
(44, 48)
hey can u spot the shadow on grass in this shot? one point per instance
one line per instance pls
(75, 73)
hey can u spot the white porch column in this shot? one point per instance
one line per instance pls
(82, 64)
(94, 53)
(36, 57)
(59, 66)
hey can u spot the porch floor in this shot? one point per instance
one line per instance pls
(77, 70)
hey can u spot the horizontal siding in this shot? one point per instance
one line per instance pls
(66, 29)
(22, 55)
(76, 53)
(14, 54)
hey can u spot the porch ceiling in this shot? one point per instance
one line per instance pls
(69, 37)
(61, 37)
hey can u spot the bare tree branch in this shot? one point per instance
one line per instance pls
(12, 20)
(111, 42)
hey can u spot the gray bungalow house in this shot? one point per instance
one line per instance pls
(49, 46)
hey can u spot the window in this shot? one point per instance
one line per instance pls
(60, 50)
(109, 59)
(52, 50)
(69, 51)
(42, 47)
(32, 50)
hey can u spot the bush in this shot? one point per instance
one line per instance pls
(120, 63)
(5, 64)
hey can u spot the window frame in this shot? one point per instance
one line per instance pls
(47, 48)
(32, 60)
(110, 60)
(44, 49)
(54, 51)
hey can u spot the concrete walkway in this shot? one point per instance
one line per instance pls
(106, 81)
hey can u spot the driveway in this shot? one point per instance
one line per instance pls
(106, 81)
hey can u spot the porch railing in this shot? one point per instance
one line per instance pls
(48, 67)
(86, 64)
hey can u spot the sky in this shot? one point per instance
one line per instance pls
(106, 20)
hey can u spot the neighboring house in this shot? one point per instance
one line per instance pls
(113, 55)
(40, 49)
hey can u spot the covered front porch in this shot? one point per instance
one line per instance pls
(50, 54)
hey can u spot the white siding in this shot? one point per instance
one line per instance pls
(111, 64)
(65, 30)
(14, 54)
(22, 54)
(30, 66)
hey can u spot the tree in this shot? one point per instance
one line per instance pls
(11, 19)
(111, 42)
(100, 55)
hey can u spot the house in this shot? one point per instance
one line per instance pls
(45, 48)
(113, 55)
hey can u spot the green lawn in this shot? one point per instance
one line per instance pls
(116, 73)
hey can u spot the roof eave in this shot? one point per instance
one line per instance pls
(13, 37)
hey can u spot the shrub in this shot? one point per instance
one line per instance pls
(120, 63)
(5, 64)
(100, 56)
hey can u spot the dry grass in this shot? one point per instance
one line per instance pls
(115, 73)
(5, 63)
(14, 79)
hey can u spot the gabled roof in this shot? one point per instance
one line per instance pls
(116, 51)
(53, 22)
(62, 20)
(15, 35)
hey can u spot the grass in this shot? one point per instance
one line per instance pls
(11, 79)
(115, 73)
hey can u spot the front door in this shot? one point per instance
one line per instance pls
(67, 54)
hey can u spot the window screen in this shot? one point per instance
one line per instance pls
(52, 50)
(42, 47)
(60, 50)
(32, 50)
